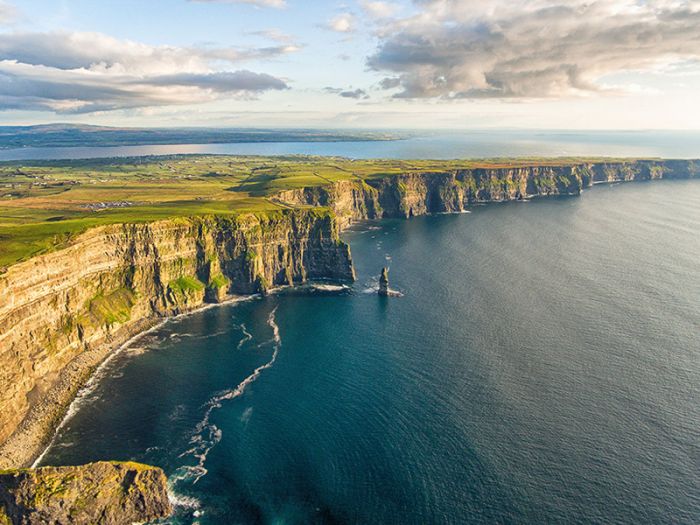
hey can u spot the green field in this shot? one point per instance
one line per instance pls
(43, 204)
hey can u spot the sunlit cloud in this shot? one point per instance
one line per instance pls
(86, 72)
(379, 10)
(342, 23)
(535, 48)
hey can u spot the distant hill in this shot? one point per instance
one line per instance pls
(66, 135)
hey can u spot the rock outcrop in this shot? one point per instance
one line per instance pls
(410, 194)
(109, 493)
(61, 313)
(384, 283)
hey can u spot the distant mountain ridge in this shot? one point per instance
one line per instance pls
(75, 135)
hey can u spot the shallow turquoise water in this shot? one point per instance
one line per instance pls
(543, 366)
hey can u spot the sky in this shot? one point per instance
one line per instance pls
(447, 64)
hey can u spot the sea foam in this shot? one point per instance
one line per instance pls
(206, 434)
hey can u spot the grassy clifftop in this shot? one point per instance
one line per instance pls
(44, 204)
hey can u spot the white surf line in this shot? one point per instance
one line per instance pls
(89, 387)
(247, 334)
(201, 446)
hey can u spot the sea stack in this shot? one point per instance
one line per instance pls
(384, 283)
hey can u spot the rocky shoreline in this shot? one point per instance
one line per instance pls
(31, 439)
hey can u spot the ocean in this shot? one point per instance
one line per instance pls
(421, 145)
(541, 366)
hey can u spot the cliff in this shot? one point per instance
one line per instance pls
(62, 312)
(104, 492)
(410, 194)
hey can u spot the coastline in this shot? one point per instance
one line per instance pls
(30, 441)
(35, 435)
(42, 429)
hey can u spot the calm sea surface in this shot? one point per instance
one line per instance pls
(467, 144)
(543, 366)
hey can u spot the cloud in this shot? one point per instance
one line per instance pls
(8, 13)
(95, 50)
(86, 72)
(238, 55)
(278, 4)
(223, 82)
(274, 34)
(347, 93)
(379, 10)
(356, 94)
(390, 83)
(534, 48)
(342, 23)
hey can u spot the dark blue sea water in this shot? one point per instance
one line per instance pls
(543, 366)
(422, 145)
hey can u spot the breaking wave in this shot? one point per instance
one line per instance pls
(86, 394)
(207, 434)
(247, 336)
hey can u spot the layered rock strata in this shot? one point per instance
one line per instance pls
(62, 312)
(410, 194)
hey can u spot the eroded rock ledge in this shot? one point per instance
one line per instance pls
(109, 493)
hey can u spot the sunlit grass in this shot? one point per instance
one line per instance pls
(44, 204)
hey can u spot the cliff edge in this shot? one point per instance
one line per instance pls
(406, 195)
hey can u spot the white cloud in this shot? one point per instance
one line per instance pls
(278, 4)
(342, 23)
(8, 12)
(534, 48)
(274, 34)
(84, 72)
(379, 10)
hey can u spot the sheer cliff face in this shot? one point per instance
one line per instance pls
(64, 304)
(349, 200)
(420, 193)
